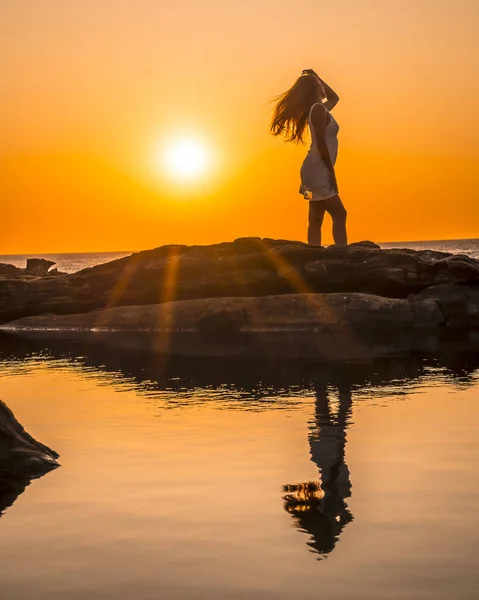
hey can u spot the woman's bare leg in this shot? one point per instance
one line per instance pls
(315, 220)
(338, 213)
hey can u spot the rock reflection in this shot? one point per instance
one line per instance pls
(135, 365)
(11, 489)
(320, 508)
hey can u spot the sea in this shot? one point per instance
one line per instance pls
(72, 262)
(220, 478)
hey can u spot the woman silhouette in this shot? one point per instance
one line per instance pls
(309, 102)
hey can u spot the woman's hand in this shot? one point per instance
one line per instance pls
(310, 72)
(334, 183)
(331, 97)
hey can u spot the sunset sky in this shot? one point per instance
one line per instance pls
(94, 92)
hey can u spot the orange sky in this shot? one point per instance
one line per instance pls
(91, 89)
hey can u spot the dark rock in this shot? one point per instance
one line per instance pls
(20, 453)
(365, 244)
(430, 255)
(222, 322)
(55, 273)
(459, 304)
(38, 266)
(321, 313)
(461, 268)
(244, 268)
(427, 314)
(6, 269)
(22, 458)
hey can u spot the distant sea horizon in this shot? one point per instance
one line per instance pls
(70, 262)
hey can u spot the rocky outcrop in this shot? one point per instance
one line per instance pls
(321, 313)
(22, 458)
(20, 453)
(248, 267)
(6, 269)
(38, 266)
(459, 304)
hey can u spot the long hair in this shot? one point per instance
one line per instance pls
(292, 109)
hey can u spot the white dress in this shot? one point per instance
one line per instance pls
(315, 177)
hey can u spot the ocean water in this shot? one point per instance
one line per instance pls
(468, 247)
(69, 263)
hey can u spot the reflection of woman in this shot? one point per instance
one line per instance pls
(309, 102)
(321, 509)
(327, 442)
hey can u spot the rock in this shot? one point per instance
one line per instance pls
(321, 313)
(427, 314)
(20, 453)
(430, 255)
(365, 244)
(459, 304)
(55, 273)
(6, 269)
(222, 322)
(38, 266)
(244, 268)
(22, 458)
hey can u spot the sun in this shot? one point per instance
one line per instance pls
(186, 159)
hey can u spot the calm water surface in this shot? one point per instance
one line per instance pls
(232, 479)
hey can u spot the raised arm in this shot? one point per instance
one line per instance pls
(331, 97)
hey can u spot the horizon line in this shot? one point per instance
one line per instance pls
(131, 251)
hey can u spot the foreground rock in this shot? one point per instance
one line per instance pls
(331, 326)
(320, 313)
(20, 453)
(248, 267)
(22, 458)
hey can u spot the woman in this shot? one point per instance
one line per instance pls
(309, 102)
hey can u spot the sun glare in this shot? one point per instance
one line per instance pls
(185, 159)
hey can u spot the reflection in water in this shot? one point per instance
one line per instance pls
(10, 489)
(319, 508)
(148, 372)
(200, 485)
